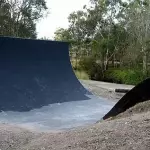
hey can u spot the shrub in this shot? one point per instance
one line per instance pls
(89, 65)
(81, 75)
(124, 76)
(115, 75)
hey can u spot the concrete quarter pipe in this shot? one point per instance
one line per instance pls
(39, 90)
(35, 73)
(140, 93)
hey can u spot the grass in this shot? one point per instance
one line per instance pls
(81, 75)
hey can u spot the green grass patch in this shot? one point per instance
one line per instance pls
(81, 75)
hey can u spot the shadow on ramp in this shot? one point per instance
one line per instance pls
(36, 73)
(139, 93)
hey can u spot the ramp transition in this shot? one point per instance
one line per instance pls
(139, 93)
(36, 73)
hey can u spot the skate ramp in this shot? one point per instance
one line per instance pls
(139, 93)
(59, 116)
(35, 73)
(39, 90)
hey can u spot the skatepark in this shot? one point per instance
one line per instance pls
(39, 90)
(44, 106)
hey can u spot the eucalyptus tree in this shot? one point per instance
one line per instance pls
(19, 17)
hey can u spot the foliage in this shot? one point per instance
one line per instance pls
(125, 76)
(62, 35)
(81, 75)
(93, 69)
(18, 17)
(111, 34)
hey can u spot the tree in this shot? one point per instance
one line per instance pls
(105, 14)
(111, 31)
(138, 25)
(19, 17)
(62, 35)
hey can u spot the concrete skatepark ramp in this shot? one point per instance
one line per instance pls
(38, 88)
(139, 93)
(35, 73)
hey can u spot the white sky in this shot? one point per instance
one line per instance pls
(59, 12)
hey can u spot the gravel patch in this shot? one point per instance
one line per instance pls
(123, 134)
(129, 132)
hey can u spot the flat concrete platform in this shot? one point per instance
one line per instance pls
(106, 85)
(59, 116)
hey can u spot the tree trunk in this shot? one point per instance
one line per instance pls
(144, 61)
(144, 64)
(113, 61)
(105, 65)
(76, 60)
(121, 63)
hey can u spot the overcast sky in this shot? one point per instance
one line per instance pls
(59, 12)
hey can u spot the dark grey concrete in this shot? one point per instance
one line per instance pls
(59, 116)
(140, 93)
(35, 73)
(38, 88)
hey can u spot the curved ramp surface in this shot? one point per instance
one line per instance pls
(36, 73)
(59, 116)
(139, 93)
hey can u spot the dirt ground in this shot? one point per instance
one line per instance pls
(123, 134)
(103, 89)
(128, 132)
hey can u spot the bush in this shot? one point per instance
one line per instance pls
(89, 65)
(124, 76)
(75, 65)
(119, 75)
(81, 75)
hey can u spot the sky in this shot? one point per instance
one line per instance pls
(58, 16)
